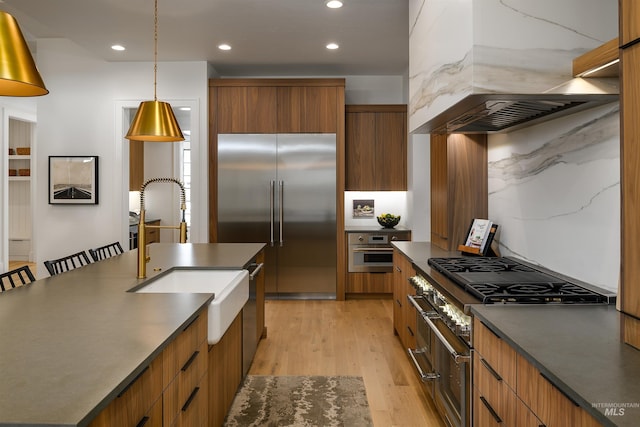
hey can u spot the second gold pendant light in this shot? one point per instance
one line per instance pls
(154, 121)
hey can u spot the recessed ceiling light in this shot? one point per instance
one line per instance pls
(117, 47)
(224, 46)
(333, 4)
(332, 46)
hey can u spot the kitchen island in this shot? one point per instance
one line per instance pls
(69, 344)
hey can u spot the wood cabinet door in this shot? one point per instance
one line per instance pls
(439, 191)
(630, 199)
(629, 21)
(391, 152)
(246, 109)
(307, 109)
(360, 151)
(136, 165)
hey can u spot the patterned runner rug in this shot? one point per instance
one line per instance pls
(315, 401)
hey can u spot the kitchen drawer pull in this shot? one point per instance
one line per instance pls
(398, 269)
(143, 421)
(490, 330)
(490, 409)
(132, 382)
(190, 399)
(431, 376)
(398, 302)
(256, 271)
(562, 392)
(410, 331)
(490, 369)
(191, 323)
(190, 361)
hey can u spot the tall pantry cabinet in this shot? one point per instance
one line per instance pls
(629, 12)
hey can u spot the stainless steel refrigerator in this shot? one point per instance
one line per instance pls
(281, 189)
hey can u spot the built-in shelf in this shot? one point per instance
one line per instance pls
(19, 178)
(19, 157)
(599, 62)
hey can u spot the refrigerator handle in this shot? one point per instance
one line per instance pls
(271, 212)
(281, 213)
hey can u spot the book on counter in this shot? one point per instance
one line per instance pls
(479, 238)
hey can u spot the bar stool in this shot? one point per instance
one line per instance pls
(17, 277)
(67, 263)
(107, 251)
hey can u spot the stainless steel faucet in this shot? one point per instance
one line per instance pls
(143, 259)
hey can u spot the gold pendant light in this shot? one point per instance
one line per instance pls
(154, 121)
(18, 73)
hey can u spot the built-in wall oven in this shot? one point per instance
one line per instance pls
(443, 354)
(371, 252)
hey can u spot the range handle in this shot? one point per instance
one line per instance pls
(431, 319)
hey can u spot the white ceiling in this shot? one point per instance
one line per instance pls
(269, 37)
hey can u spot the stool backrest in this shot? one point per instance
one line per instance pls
(107, 251)
(17, 277)
(67, 263)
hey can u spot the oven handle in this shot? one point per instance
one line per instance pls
(431, 376)
(428, 318)
(373, 250)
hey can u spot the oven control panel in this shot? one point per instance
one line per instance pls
(455, 318)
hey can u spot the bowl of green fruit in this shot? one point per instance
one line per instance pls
(388, 220)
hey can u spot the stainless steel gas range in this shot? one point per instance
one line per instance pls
(443, 354)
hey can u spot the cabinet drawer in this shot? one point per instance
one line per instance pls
(496, 352)
(178, 392)
(194, 412)
(135, 401)
(493, 393)
(545, 400)
(182, 348)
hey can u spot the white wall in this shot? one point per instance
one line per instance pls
(79, 117)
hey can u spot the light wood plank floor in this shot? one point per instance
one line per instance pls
(17, 264)
(353, 337)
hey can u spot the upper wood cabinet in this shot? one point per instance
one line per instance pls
(376, 147)
(307, 109)
(629, 21)
(275, 105)
(246, 109)
(459, 191)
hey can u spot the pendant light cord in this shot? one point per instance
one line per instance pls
(155, 51)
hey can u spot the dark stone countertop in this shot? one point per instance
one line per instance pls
(70, 343)
(579, 348)
(576, 346)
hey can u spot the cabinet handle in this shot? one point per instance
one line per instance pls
(410, 331)
(398, 269)
(490, 409)
(491, 330)
(190, 399)
(399, 303)
(490, 369)
(133, 381)
(143, 421)
(190, 323)
(562, 392)
(190, 361)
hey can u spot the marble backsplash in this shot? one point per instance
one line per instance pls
(554, 189)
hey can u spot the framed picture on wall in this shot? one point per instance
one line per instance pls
(73, 180)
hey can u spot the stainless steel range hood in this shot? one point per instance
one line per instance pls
(502, 112)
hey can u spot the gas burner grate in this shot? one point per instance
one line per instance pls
(534, 293)
(505, 280)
